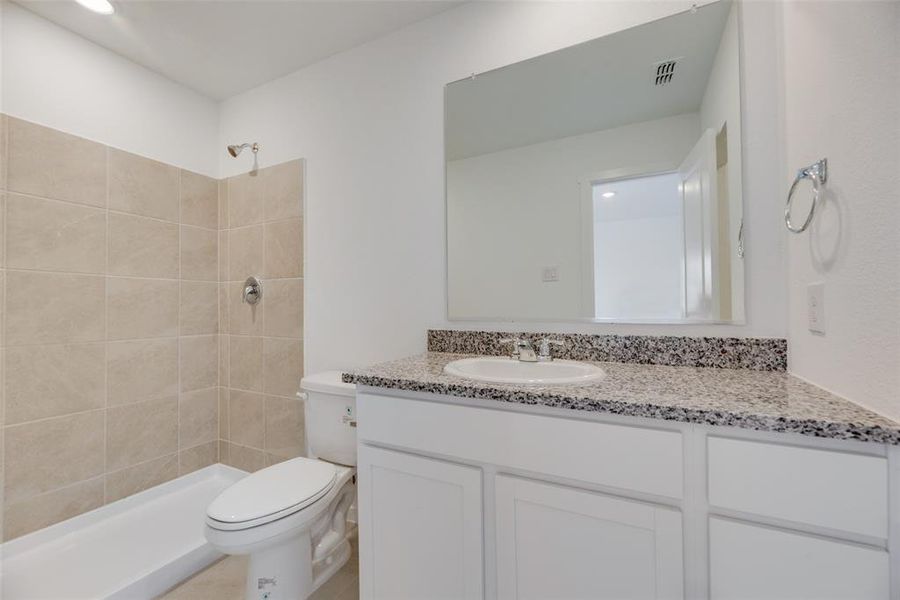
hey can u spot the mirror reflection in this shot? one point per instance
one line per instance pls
(602, 182)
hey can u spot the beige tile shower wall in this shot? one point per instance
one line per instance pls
(110, 331)
(261, 347)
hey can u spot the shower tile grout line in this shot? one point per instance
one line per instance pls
(178, 330)
(106, 339)
(108, 407)
(114, 340)
(115, 276)
(114, 211)
(262, 376)
(3, 374)
(225, 221)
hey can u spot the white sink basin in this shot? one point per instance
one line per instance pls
(508, 370)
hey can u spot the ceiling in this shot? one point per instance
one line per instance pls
(221, 48)
(600, 84)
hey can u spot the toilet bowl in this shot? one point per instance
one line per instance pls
(292, 518)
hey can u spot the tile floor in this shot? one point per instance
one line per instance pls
(225, 581)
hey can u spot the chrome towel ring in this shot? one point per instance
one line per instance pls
(818, 174)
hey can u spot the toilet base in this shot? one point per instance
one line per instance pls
(278, 573)
(292, 556)
(281, 572)
(337, 559)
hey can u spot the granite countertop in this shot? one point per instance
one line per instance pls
(759, 400)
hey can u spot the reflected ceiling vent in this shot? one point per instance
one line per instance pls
(665, 71)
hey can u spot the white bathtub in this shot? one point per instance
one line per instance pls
(135, 548)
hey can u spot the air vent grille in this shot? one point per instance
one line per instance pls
(665, 71)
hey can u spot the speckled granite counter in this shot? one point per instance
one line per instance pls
(760, 400)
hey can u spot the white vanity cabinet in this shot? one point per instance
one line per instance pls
(831, 517)
(423, 532)
(557, 541)
(463, 499)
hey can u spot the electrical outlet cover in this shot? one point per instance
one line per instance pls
(815, 307)
(550, 274)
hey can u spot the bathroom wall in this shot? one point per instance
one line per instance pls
(261, 346)
(108, 98)
(369, 121)
(110, 329)
(842, 101)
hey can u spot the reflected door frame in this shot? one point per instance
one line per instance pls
(700, 216)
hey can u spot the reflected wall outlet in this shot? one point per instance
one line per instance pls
(815, 307)
(550, 274)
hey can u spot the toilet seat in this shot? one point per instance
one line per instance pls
(271, 494)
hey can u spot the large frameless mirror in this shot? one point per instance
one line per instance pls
(602, 182)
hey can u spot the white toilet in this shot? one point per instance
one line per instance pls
(291, 518)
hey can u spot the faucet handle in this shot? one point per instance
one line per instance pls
(514, 342)
(545, 348)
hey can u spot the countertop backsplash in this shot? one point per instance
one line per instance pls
(758, 354)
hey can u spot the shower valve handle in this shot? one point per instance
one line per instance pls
(252, 291)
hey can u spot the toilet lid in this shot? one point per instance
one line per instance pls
(293, 484)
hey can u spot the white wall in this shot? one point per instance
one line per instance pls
(842, 101)
(369, 121)
(495, 271)
(57, 78)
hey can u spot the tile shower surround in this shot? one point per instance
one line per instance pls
(261, 346)
(115, 342)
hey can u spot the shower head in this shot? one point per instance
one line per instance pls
(234, 150)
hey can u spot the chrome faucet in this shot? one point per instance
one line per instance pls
(545, 354)
(523, 350)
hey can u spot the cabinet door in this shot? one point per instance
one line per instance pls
(420, 528)
(749, 562)
(567, 543)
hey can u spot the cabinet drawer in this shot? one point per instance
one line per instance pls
(748, 562)
(826, 488)
(629, 458)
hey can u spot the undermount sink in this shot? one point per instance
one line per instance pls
(508, 370)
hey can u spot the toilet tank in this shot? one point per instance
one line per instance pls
(330, 417)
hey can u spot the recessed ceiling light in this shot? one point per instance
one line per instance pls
(102, 7)
(608, 194)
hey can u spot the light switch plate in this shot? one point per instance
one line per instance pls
(815, 307)
(550, 274)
